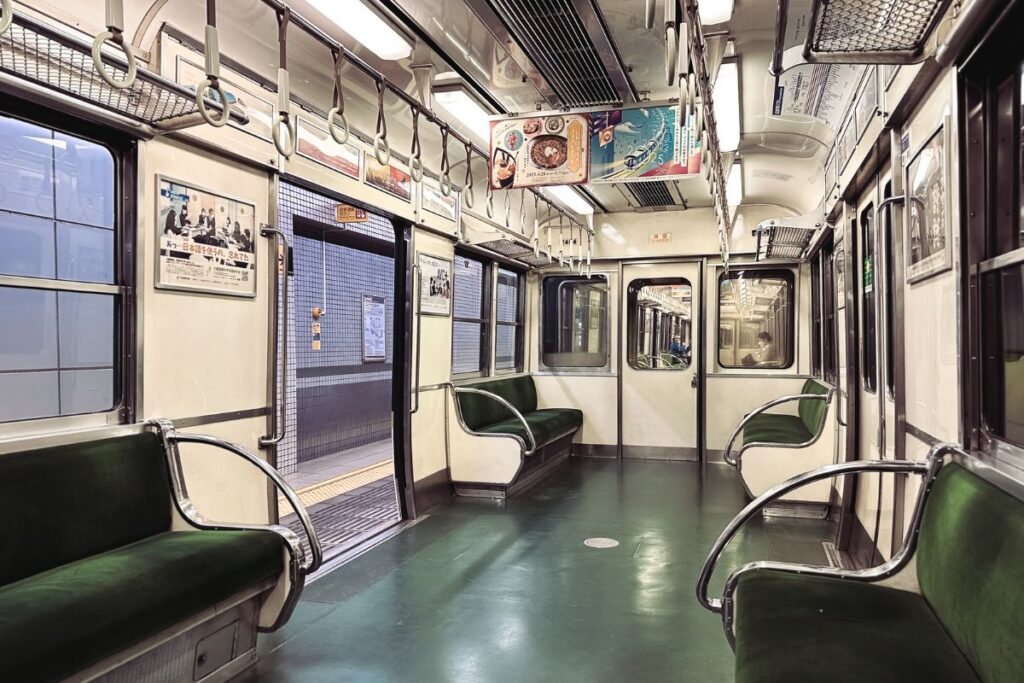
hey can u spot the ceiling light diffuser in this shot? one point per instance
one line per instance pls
(366, 26)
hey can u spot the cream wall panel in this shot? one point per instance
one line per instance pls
(429, 443)
(597, 397)
(730, 398)
(202, 353)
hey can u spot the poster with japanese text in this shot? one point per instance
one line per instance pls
(540, 150)
(207, 241)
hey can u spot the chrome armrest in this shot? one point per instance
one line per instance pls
(735, 460)
(297, 571)
(927, 468)
(502, 401)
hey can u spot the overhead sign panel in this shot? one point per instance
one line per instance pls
(540, 150)
(642, 143)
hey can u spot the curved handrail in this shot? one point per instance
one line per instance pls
(316, 549)
(506, 404)
(927, 468)
(735, 461)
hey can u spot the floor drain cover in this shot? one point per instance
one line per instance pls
(601, 543)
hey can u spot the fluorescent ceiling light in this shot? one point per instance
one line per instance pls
(363, 24)
(727, 107)
(734, 185)
(465, 110)
(715, 11)
(570, 198)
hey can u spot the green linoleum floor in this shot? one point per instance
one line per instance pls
(481, 591)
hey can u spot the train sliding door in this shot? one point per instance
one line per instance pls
(660, 339)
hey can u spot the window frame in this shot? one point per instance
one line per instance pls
(519, 362)
(123, 150)
(868, 342)
(785, 274)
(992, 241)
(636, 328)
(604, 279)
(486, 294)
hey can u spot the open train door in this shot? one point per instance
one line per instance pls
(660, 343)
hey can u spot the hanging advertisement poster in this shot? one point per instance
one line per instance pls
(207, 241)
(374, 329)
(392, 180)
(641, 143)
(540, 150)
(435, 285)
(317, 144)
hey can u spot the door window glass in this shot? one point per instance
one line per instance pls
(659, 324)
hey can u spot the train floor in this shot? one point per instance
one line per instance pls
(482, 591)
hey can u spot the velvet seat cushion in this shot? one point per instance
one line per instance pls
(480, 411)
(65, 619)
(546, 425)
(792, 628)
(774, 428)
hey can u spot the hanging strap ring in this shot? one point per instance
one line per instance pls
(467, 189)
(212, 82)
(381, 149)
(6, 14)
(115, 34)
(490, 201)
(337, 124)
(285, 145)
(446, 176)
(415, 162)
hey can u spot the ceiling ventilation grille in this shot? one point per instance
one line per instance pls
(651, 194)
(556, 41)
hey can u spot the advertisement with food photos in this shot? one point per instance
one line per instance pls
(207, 241)
(642, 143)
(540, 150)
(388, 178)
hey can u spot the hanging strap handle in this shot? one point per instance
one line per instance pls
(212, 81)
(467, 188)
(286, 146)
(489, 204)
(446, 166)
(381, 149)
(6, 14)
(415, 162)
(536, 225)
(115, 34)
(337, 124)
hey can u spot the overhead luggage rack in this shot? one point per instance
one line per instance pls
(515, 251)
(778, 241)
(63, 64)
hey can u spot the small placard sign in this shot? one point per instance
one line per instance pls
(350, 214)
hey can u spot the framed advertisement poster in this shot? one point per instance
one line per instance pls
(317, 144)
(375, 349)
(540, 150)
(207, 240)
(435, 285)
(642, 143)
(434, 201)
(928, 244)
(390, 179)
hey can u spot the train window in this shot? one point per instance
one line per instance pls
(471, 317)
(890, 299)
(755, 319)
(508, 353)
(868, 345)
(574, 325)
(659, 324)
(59, 299)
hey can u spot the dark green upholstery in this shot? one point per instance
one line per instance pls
(65, 619)
(484, 415)
(964, 627)
(970, 561)
(790, 429)
(546, 425)
(88, 564)
(480, 411)
(99, 496)
(774, 428)
(801, 629)
(812, 410)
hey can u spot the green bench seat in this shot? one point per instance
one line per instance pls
(90, 566)
(962, 626)
(483, 415)
(775, 428)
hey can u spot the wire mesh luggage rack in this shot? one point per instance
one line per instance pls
(776, 241)
(39, 54)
